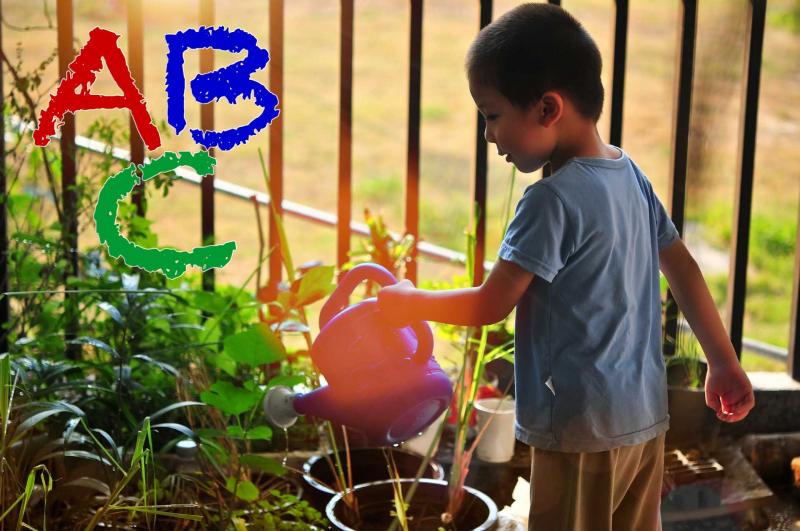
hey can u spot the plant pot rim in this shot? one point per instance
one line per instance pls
(686, 388)
(438, 470)
(490, 522)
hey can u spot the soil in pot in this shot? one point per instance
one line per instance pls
(375, 508)
(367, 464)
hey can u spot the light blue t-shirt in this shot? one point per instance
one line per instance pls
(589, 373)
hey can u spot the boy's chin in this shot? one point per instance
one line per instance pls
(529, 167)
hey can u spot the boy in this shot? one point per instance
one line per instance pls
(580, 261)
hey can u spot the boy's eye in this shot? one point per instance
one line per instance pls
(491, 117)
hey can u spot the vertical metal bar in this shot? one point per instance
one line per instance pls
(5, 314)
(412, 165)
(618, 81)
(680, 146)
(207, 124)
(794, 333)
(69, 230)
(479, 191)
(276, 136)
(136, 64)
(344, 204)
(737, 278)
(66, 54)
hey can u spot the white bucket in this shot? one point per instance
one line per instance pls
(497, 442)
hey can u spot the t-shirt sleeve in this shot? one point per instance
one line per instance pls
(538, 238)
(666, 232)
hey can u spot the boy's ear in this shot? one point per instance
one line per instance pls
(551, 108)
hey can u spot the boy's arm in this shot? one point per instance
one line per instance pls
(402, 303)
(728, 390)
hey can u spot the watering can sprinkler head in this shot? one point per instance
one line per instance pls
(279, 408)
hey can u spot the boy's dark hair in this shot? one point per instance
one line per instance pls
(535, 48)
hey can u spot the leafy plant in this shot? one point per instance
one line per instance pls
(381, 248)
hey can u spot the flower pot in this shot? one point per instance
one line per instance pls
(690, 419)
(367, 464)
(478, 511)
(496, 444)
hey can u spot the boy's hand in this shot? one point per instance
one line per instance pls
(394, 303)
(729, 392)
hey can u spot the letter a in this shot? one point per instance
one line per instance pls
(73, 92)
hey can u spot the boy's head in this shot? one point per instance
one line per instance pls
(523, 68)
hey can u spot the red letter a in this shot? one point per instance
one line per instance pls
(73, 91)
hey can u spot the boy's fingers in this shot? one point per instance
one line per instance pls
(712, 401)
(738, 410)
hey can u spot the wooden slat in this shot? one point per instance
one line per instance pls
(479, 185)
(69, 229)
(207, 124)
(412, 158)
(66, 54)
(344, 204)
(737, 278)
(136, 65)
(618, 80)
(680, 146)
(276, 135)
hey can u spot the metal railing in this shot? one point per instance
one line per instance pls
(343, 220)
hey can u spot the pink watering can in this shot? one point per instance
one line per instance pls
(381, 380)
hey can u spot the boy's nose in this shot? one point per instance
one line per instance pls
(488, 135)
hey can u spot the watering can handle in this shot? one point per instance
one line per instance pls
(377, 273)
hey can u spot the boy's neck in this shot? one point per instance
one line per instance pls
(580, 140)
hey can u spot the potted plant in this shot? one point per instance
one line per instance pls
(690, 418)
(420, 504)
(450, 504)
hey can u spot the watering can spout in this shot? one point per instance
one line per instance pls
(282, 407)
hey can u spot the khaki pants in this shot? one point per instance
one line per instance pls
(617, 490)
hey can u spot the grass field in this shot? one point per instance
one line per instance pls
(310, 116)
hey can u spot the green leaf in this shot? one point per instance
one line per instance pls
(245, 490)
(289, 380)
(166, 367)
(224, 362)
(171, 407)
(81, 454)
(212, 303)
(209, 432)
(85, 340)
(90, 483)
(50, 409)
(35, 419)
(235, 431)
(256, 346)
(111, 310)
(230, 399)
(263, 433)
(265, 464)
(177, 427)
(316, 284)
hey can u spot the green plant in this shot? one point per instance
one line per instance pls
(381, 248)
(235, 476)
(686, 366)
(476, 353)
